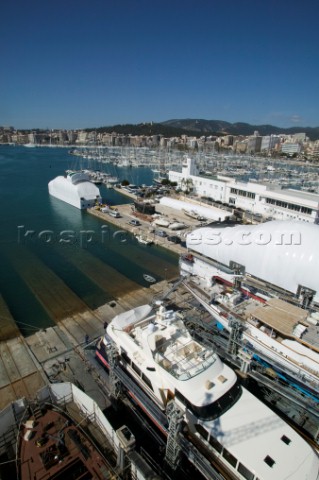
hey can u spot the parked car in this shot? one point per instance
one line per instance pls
(174, 239)
(134, 222)
(114, 213)
(160, 233)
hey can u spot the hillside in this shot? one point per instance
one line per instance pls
(199, 127)
(146, 129)
(206, 127)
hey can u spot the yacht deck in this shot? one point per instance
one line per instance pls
(182, 356)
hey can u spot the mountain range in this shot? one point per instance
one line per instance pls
(206, 127)
(199, 127)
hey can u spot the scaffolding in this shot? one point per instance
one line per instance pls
(173, 446)
(234, 337)
(114, 381)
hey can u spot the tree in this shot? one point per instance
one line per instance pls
(187, 185)
(165, 181)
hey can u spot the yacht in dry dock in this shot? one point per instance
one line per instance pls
(221, 417)
(267, 288)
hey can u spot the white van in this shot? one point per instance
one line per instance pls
(114, 213)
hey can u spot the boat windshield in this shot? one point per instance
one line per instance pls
(215, 409)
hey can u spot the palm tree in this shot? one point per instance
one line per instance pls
(187, 185)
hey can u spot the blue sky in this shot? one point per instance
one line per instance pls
(76, 64)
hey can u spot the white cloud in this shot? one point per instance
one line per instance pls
(295, 118)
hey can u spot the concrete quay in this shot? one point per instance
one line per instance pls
(146, 229)
(59, 353)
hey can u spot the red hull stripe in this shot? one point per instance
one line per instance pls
(102, 359)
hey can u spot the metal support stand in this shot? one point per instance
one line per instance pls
(245, 358)
(305, 295)
(126, 445)
(234, 337)
(173, 447)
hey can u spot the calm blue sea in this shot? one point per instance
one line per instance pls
(33, 256)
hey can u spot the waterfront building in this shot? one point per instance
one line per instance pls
(240, 146)
(291, 148)
(299, 137)
(228, 140)
(267, 200)
(82, 137)
(270, 142)
(254, 143)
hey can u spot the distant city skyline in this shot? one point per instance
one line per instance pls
(81, 65)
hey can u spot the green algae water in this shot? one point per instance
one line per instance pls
(43, 277)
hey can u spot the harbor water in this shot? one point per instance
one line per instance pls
(55, 259)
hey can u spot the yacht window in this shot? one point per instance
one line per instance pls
(151, 369)
(201, 430)
(286, 440)
(270, 462)
(125, 357)
(215, 444)
(137, 370)
(230, 458)
(147, 381)
(181, 397)
(215, 409)
(247, 474)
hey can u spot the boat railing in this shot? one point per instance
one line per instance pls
(185, 360)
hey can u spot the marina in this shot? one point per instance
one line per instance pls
(78, 282)
(286, 173)
(159, 232)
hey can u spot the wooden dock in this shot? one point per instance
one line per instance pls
(8, 327)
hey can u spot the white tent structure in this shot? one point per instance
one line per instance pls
(75, 189)
(283, 253)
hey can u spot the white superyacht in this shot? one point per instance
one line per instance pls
(249, 440)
